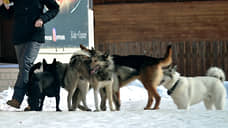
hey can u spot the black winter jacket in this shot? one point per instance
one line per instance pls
(25, 13)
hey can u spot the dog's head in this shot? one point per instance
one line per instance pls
(91, 52)
(101, 62)
(169, 74)
(49, 67)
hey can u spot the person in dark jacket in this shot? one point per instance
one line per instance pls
(28, 35)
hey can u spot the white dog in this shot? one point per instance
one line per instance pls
(186, 91)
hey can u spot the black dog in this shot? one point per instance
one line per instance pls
(43, 84)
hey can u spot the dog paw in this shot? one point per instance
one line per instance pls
(28, 108)
(96, 110)
(155, 108)
(147, 108)
(71, 109)
(89, 110)
(84, 108)
(58, 110)
(103, 108)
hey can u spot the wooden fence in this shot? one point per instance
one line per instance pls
(193, 58)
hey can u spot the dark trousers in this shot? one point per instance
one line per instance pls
(26, 54)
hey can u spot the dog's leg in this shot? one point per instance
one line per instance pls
(151, 77)
(150, 95)
(103, 99)
(33, 103)
(96, 98)
(157, 97)
(109, 94)
(219, 100)
(116, 98)
(57, 100)
(69, 99)
(83, 97)
(147, 85)
(84, 103)
(81, 107)
(208, 104)
(184, 106)
(41, 103)
(75, 99)
(84, 88)
(79, 99)
(150, 100)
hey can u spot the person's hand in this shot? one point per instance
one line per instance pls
(5, 4)
(1, 2)
(39, 23)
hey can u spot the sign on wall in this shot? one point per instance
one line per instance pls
(69, 29)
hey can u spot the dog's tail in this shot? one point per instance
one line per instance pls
(32, 69)
(31, 73)
(167, 60)
(217, 73)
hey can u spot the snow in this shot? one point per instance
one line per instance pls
(131, 115)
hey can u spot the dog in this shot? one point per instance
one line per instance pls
(76, 77)
(187, 91)
(145, 68)
(42, 84)
(102, 76)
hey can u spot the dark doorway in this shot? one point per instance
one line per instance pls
(7, 53)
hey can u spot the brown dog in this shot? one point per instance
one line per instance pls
(148, 71)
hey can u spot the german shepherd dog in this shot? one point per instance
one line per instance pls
(42, 84)
(145, 68)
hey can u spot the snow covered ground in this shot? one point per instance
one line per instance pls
(132, 115)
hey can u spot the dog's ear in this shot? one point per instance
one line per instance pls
(84, 48)
(106, 54)
(44, 62)
(92, 51)
(54, 61)
(175, 68)
(169, 67)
